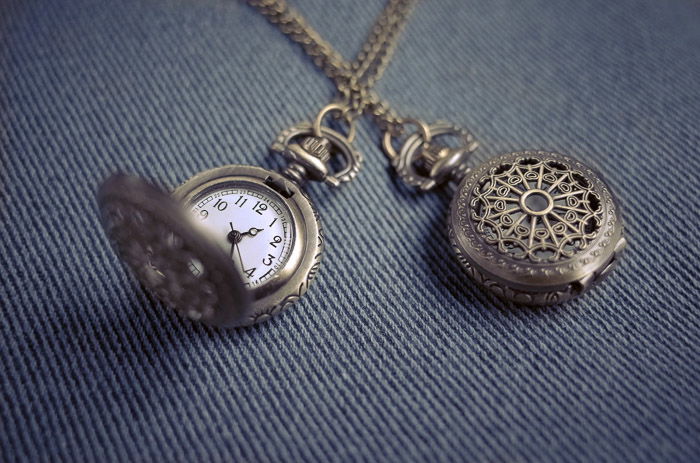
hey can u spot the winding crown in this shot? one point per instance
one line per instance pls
(318, 147)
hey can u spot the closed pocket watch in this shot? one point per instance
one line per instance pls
(534, 227)
(233, 245)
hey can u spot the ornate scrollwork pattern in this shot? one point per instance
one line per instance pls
(506, 292)
(535, 227)
(537, 209)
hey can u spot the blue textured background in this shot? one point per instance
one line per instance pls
(393, 353)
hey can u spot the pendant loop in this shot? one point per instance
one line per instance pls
(309, 148)
(423, 163)
(388, 139)
(342, 111)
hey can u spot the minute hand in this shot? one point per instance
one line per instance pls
(240, 259)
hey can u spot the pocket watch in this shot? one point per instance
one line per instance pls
(534, 227)
(236, 244)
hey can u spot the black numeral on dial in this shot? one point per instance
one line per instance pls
(220, 204)
(260, 207)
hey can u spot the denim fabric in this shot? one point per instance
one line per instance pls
(393, 355)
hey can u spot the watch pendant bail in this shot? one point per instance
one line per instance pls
(423, 162)
(309, 148)
(309, 159)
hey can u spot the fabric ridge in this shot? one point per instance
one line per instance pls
(393, 354)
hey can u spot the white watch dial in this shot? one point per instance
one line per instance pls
(253, 226)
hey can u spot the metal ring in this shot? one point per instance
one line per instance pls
(353, 158)
(424, 128)
(387, 142)
(403, 161)
(335, 107)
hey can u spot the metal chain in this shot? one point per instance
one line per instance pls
(354, 80)
(295, 27)
(379, 47)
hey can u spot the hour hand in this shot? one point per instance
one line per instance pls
(252, 232)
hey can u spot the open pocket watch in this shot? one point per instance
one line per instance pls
(233, 245)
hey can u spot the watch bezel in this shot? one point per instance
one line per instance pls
(292, 280)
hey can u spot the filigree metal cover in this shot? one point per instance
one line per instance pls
(156, 239)
(536, 227)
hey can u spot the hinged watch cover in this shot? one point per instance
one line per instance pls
(170, 254)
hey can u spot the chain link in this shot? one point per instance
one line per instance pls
(379, 47)
(354, 80)
(293, 25)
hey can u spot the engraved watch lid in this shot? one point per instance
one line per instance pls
(535, 227)
(169, 254)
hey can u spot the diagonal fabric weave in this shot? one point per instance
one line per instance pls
(393, 355)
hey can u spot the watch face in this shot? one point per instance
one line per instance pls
(251, 223)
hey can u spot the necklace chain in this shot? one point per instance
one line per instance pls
(354, 80)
